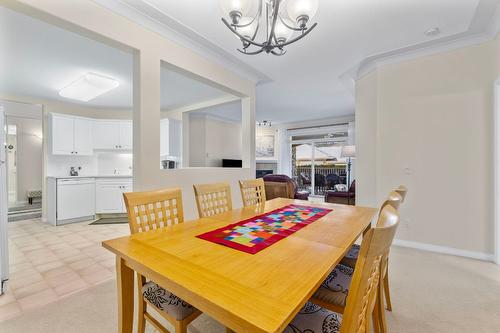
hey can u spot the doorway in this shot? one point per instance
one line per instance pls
(24, 159)
(316, 162)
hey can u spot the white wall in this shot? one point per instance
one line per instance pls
(427, 123)
(211, 140)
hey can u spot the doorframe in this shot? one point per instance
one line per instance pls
(4, 246)
(496, 161)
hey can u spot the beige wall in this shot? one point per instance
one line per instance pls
(428, 123)
(149, 49)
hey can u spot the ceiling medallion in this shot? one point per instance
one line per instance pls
(276, 26)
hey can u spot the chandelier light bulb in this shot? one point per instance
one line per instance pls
(235, 9)
(247, 30)
(281, 32)
(301, 11)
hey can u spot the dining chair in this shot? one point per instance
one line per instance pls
(402, 190)
(150, 211)
(361, 304)
(212, 199)
(253, 192)
(333, 292)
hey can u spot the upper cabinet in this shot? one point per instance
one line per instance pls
(71, 135)
(113, 134)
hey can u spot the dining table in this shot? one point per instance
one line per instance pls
(245, 292)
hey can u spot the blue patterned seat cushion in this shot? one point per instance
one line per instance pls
(351, 256)
(164, 300)
(314, 319)
(335, 288)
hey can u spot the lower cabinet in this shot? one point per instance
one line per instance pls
(109, 195)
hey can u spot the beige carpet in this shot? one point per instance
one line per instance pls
(431, 293)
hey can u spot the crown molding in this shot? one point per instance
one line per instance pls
(488, 10)
(154, 19)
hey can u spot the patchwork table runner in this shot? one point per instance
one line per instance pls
(257, 233)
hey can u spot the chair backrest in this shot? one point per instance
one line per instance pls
(394, 200)
(402, 190)
(153, 209)
(213, 199)
(366, 278)
(253, 192)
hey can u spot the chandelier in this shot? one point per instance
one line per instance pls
(277, 27)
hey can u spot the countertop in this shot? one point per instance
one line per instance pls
(90, 176)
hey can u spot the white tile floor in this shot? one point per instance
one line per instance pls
(48, 263)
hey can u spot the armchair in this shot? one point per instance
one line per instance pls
(282, 186)
(346, 198)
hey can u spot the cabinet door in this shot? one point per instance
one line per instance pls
(62, 135)
(106, 134)
(108, 198)
(164, 151)
(83, 141)
(127, 187)
(126, 137)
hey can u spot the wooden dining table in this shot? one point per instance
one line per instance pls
(259, 292)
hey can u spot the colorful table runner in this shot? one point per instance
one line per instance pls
(257, 233)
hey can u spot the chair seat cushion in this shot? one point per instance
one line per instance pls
(314, 319)
(164, 300)
(335, 288)
(352, 256)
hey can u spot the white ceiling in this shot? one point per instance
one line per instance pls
(39, 59)
(306, 83)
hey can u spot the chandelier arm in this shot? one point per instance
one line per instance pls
(256, 30)
(278, 54)
(251, 53)
(288, 26)
(306, 32)
(274, 19)
(239, 35)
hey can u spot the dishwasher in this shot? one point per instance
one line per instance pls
(75, 200)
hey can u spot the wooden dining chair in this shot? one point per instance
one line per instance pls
(213, 199)
(402, 190)
(253, 192)
(150, 211)
(361, 306)
(335, 298)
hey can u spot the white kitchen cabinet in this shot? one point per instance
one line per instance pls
(170, 138)
(113, 135)
(126, 137)
(83, 136)
(106, 134)
(71, 135)
(109, 195)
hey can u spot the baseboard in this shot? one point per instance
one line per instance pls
(445, 250)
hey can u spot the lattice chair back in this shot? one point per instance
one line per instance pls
(153, 209)
(213, 199)
(365, 282)
(253, 192)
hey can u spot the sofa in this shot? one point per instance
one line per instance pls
(346, 198)
(282, 186)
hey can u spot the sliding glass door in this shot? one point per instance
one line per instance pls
(316, 162)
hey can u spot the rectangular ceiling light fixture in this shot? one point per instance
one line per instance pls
(88, 87)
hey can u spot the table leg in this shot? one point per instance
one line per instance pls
(125, 280)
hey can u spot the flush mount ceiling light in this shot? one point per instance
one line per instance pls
(88, 87)
(277, 26)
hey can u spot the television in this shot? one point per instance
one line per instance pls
(227, 163)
